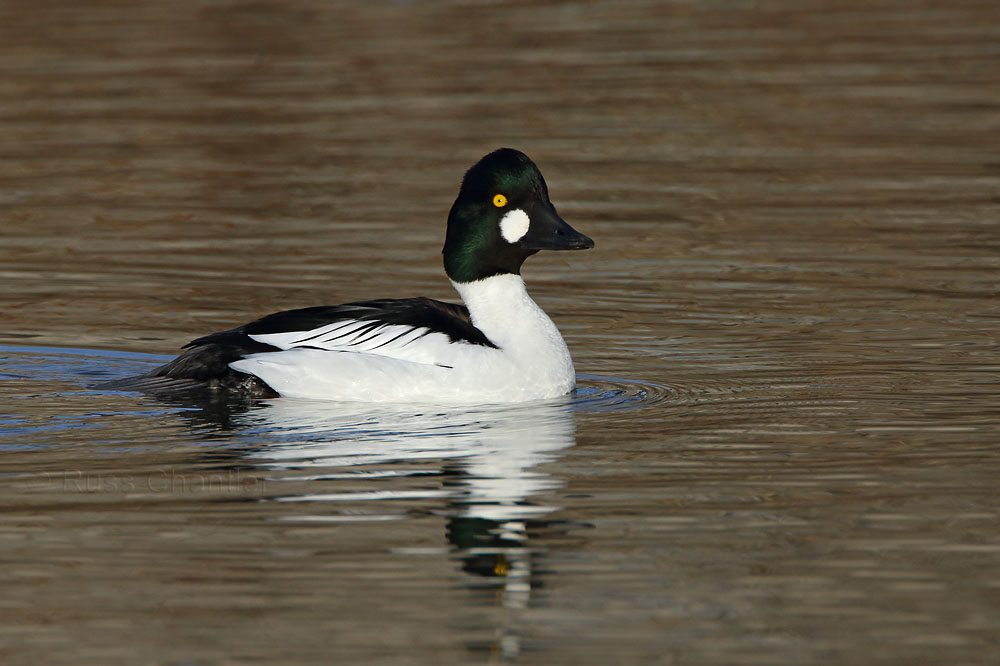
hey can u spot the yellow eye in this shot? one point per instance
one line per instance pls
(499, 200)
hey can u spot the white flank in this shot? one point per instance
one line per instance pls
(514, 225)
(532, 361)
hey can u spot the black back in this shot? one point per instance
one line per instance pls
(435, 316)
(207, 359)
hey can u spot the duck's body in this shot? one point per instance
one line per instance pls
(500, 347)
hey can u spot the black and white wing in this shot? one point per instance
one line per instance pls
(419, 330)
(387, 327)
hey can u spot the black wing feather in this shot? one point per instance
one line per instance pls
(207, 358)
(437, 316)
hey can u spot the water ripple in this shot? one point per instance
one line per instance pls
(598, 394)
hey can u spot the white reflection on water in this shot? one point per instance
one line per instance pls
(489, 457)
(497, 448)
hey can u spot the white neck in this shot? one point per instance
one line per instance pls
(501, 308)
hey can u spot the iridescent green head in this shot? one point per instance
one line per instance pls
(501, 217)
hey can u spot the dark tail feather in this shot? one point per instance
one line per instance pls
(146, 384)
(204, 366)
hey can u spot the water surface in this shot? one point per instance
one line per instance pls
(784, 445)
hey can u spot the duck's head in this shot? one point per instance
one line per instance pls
(501, 217)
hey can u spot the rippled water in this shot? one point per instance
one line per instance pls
(784, 444)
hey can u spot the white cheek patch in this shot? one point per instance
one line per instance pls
(514, 225)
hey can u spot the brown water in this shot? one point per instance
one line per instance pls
(786, 444)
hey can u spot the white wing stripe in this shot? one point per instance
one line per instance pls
(400, 336)
(349, 336)
(330, 337)
(316, 332)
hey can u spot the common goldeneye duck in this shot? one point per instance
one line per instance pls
(499, 347)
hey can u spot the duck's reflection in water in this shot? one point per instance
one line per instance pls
(490, 459)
